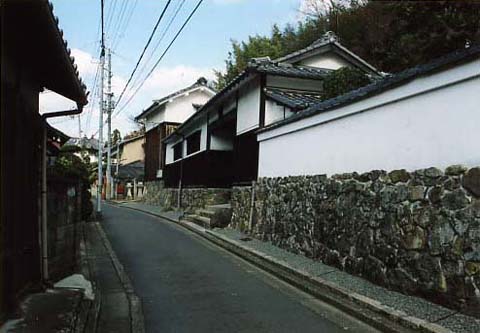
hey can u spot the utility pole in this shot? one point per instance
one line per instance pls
(100, 119)
(79, 127)
(109, 184)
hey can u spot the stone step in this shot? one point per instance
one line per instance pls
(215, 207)
(197, 219)
(205, 213)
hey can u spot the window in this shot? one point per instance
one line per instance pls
(193, 143)
(178, 151)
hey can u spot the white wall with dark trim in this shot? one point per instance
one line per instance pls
(431, 121)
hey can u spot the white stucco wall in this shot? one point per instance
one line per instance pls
(326, 60)
(275, 112)
(431, 121)
(181, 108)
(248, 109)
(178, 109)
(155, 118)
(199, 125)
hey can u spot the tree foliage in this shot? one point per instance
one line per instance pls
(69, 166)
(343, 80)
(391, 35)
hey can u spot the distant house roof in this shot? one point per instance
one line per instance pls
(264, 66)
(55, 140)
(328, 43)
(131, 170)
(200, 83)
(379, 86)
(84, 142)
(33, 38)
(294, 99)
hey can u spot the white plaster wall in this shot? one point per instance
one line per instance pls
(274, 81)
(275, 112)
(221, 140)
(181, 108)
(248, 112)
(155, 118)
(326, 60)
(437, 127)
(199, 125)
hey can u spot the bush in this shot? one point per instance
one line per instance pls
(343, 80)
(71, 167)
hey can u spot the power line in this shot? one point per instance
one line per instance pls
(118, 22)
(122, 31)
(161, 57)
(146, 62)
(144, 50)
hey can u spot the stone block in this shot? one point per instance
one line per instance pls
(471, 181)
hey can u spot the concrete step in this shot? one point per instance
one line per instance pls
(205, 213)
(197, 219)
(215, 207)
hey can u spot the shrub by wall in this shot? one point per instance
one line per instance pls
(415, 232)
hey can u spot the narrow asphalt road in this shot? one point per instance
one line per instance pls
(187, 284)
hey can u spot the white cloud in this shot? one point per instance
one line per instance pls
(87, 64)
(166, 80)
(163, 81)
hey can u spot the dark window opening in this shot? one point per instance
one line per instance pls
(178, 151)
(193, 143)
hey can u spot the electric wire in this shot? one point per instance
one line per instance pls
(161, 57)
(147, 62)
(144, 50)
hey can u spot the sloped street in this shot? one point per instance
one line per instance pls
(188, 285)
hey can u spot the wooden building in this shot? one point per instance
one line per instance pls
(217, 146)
(163, 117)
(34, 56)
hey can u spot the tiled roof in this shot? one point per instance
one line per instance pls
(294, 99)
(84, 142)
(290, 71)
(329, 42)
(71, 58)
(263, 67)
(325, 40)
(389, 82)
(201, 82)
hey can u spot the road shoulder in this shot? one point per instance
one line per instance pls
(120, 309)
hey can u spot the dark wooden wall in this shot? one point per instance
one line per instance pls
(207, 169)
(155, 149)
(152, 153)
(21, 135)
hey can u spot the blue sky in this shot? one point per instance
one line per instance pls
(202, 46)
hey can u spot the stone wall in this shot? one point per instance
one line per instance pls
(418, 232)
(64, 230)
(192, 198)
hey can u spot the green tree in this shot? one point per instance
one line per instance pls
(391, 35)
(116, 137)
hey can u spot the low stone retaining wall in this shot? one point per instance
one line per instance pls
(192, 198)
(64, 228)
(418, 232)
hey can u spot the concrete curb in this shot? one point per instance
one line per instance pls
(137, 323)
(364, 308)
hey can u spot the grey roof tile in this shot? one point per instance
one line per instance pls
(379, 86)
(294, 99)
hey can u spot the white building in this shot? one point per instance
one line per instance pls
(217, 146)
(164, 116)
(423, 117)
